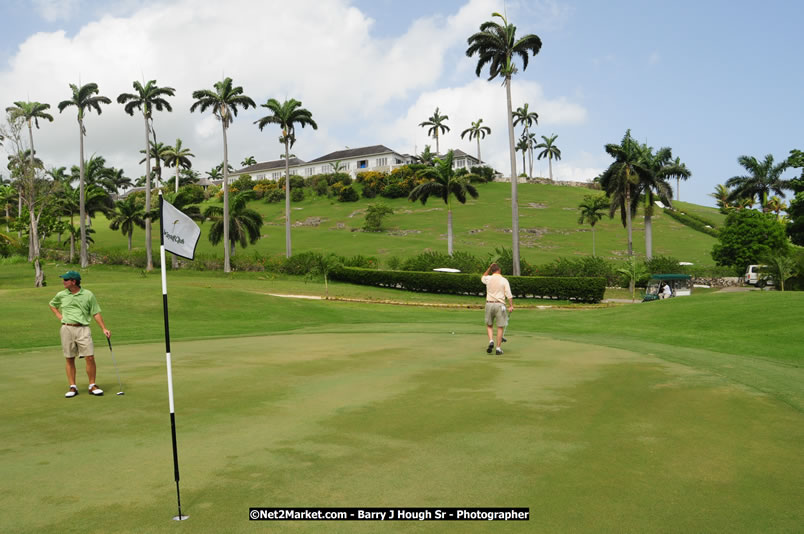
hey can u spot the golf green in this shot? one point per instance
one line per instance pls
(589, 438)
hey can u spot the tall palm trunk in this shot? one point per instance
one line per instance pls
(648, 226)
(149, 257)
(177, 177)
(33, 235)
(436, 136)
(514, 205)
(287, 198)
(479, 161)
(449, 227)
(593, 241)
(678, 188)
(227, 264)
(130, 236)
(530, 153)
(628, 227)
(550, 165)
(84, 257)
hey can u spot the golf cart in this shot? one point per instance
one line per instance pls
(680, 286)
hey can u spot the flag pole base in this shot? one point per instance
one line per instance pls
(181, 518)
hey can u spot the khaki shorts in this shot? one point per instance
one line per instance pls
(495, 312)
(76, 341)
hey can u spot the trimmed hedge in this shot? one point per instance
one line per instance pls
(694, 222)
(561, 288)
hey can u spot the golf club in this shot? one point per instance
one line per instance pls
(121, 392)
(506, 328)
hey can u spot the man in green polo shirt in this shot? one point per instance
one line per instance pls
(75, 306)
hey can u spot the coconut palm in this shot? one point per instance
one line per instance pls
(85, 99)
(287, 116)
(653, 186)
(763, 178)
(179, 157)
(147, 98)
(721, 195)
(128, 213)
(247, 162)
(620, 180)
(496, 44)
(444, 184)
(526, 118)
(477, 131)
(550, 151)
(244, 223)
(592, 209)
(522, 146)
(436, 124)
(684, 174)
(223, 102)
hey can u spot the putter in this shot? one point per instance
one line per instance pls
(504, 329)
(121, 392)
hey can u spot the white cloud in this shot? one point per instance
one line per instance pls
(323, 53)
(486, 100)
(654, 58)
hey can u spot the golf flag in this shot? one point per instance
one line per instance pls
(179, 232)
(179, 236)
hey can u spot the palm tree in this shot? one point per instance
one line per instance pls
(287, 116)
(247, 162)
(214, 174)
(128, 213)
(157, 154)
(478, 132)
(69, 201)
(527, 118)
(522, 146)
(436, 124)
(119, 180)
(591, 212)
(244, 223)
(147, 98)
(223, 101)
(85, 99)
(654, 186)
(620, 180)
(763, 178)
(721, 195)
(684, 174)
(776, 205)
(444, 184)
(550, 151)
(496, 44)
(179, 157)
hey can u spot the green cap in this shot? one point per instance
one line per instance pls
(71, 275)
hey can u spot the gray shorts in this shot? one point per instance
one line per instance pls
(495, 312)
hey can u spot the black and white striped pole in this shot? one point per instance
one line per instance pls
(179, 517)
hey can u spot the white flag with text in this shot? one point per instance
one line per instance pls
(179, 232)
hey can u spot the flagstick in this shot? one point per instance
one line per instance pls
(167, 358)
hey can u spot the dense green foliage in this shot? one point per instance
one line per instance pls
(579, 289)
(693, 221)
(747, 237)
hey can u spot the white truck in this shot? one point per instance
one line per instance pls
(755, 277)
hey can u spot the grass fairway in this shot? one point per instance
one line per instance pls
(598, 420)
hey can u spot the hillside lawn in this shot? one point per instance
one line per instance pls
(682, 415)
(549, 228)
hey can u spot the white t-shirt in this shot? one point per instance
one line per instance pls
(497, 288)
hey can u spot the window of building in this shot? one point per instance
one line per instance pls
(362, 164)
(382, 162)
(461, 163)
(277, 175)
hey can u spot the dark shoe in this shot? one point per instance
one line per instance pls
(490, 347)
(72, 393)
(95, 390)
(503, 341)
(499, 351)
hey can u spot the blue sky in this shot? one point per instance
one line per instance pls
(712, 80)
